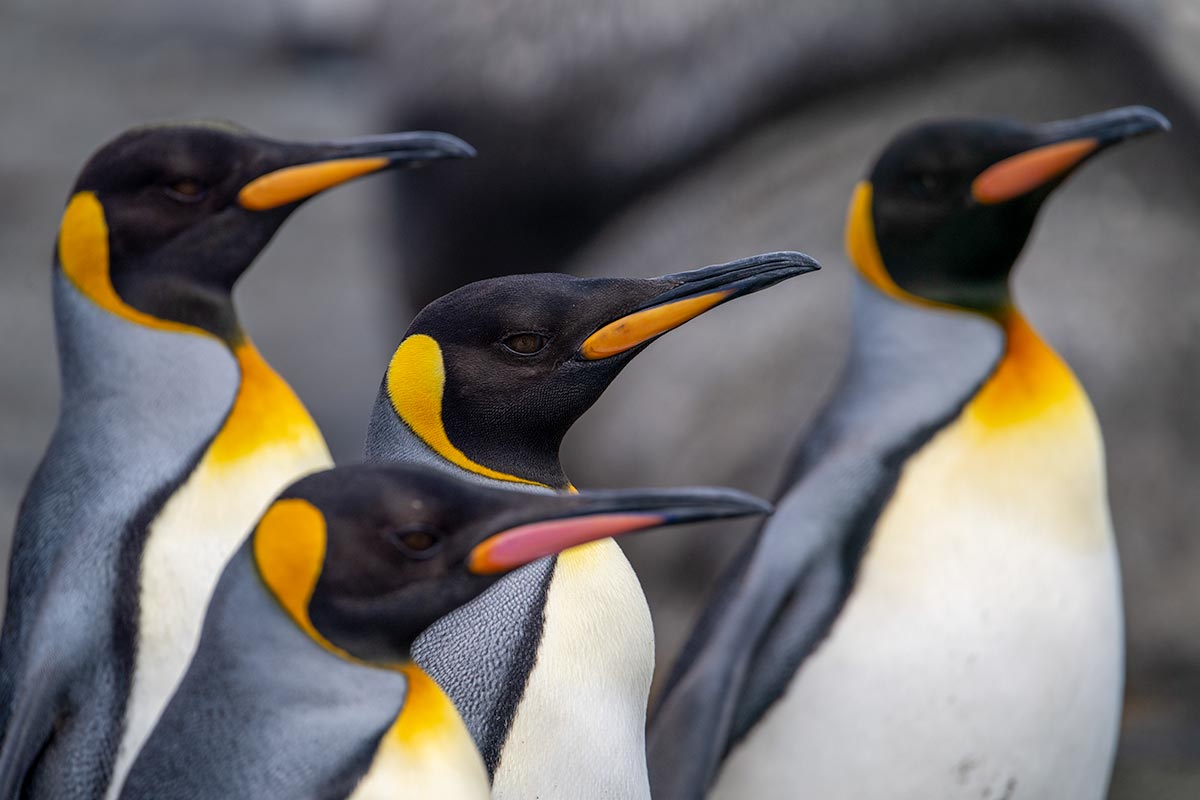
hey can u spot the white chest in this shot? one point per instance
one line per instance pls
(579, 730)
(980, 653)
(186, 549)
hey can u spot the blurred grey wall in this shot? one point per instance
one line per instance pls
(620, 137)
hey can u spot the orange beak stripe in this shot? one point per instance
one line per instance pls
(641, 326)
(518, 546)
(1024, 172)
(291, 184)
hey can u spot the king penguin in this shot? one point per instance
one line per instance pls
(172, 437)
(935, 610)
(303, 683)
(551, 667)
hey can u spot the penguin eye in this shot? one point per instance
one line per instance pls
(525, 344)
(417, 542)
(926, 184)
(186, 190)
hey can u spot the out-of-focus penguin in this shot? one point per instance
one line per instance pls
(303, 683)
(173, 436)
(551, 667)
(935, 610)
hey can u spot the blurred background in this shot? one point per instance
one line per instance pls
(619, 137)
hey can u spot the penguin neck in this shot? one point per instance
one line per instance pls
(910, 371)
(391, 440)
(901, 342)
(101, 353)
(264, 409)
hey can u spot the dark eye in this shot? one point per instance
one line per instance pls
(418, 542)
(926, 184)
(186, 190)
(525, 344)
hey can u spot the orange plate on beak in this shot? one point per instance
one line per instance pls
(1024, 172)
(291, 184)
(641, 326)
(518, 546)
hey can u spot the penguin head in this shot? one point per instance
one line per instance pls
(164, 219)
(364, 558)
(949, 204)
(492, 375)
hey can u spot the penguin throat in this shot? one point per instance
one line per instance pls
(415, 386)
(427, 708)
(1030, 380)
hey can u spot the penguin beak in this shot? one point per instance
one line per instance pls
(323, 166)
(1061, 147)
(688, 295)
(549, 524)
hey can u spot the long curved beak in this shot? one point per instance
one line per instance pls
(317, 167)
(549, 524)
(1062, 146)
(687, 295)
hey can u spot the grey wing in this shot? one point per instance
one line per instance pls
(777, 607)
(44, 701)
(808, 454)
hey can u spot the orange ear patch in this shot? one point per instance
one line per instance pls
(1024, 172)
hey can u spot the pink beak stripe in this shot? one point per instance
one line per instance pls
(523, 544)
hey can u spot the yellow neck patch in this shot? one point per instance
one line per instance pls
(416, 380)
(1030, 379)
(427, 709)
(289, 549)
(83, 253)
(265, 412)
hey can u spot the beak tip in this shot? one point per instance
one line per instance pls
(725, 502)
(1144, 119)
(457, 148)
(428, 146)
(745, 504)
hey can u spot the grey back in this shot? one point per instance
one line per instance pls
(138, 408)
(482, 653)
(909, 373)
(264, 711)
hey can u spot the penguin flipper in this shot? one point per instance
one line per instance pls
(41, 693)
(29, 729)
(778, 607)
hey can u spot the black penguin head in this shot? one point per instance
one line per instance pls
(364, 558)
(492, 375)
(949, 205)
(164, 219)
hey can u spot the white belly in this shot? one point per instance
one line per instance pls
(186, 549)
(579, 731)
(980, 653)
